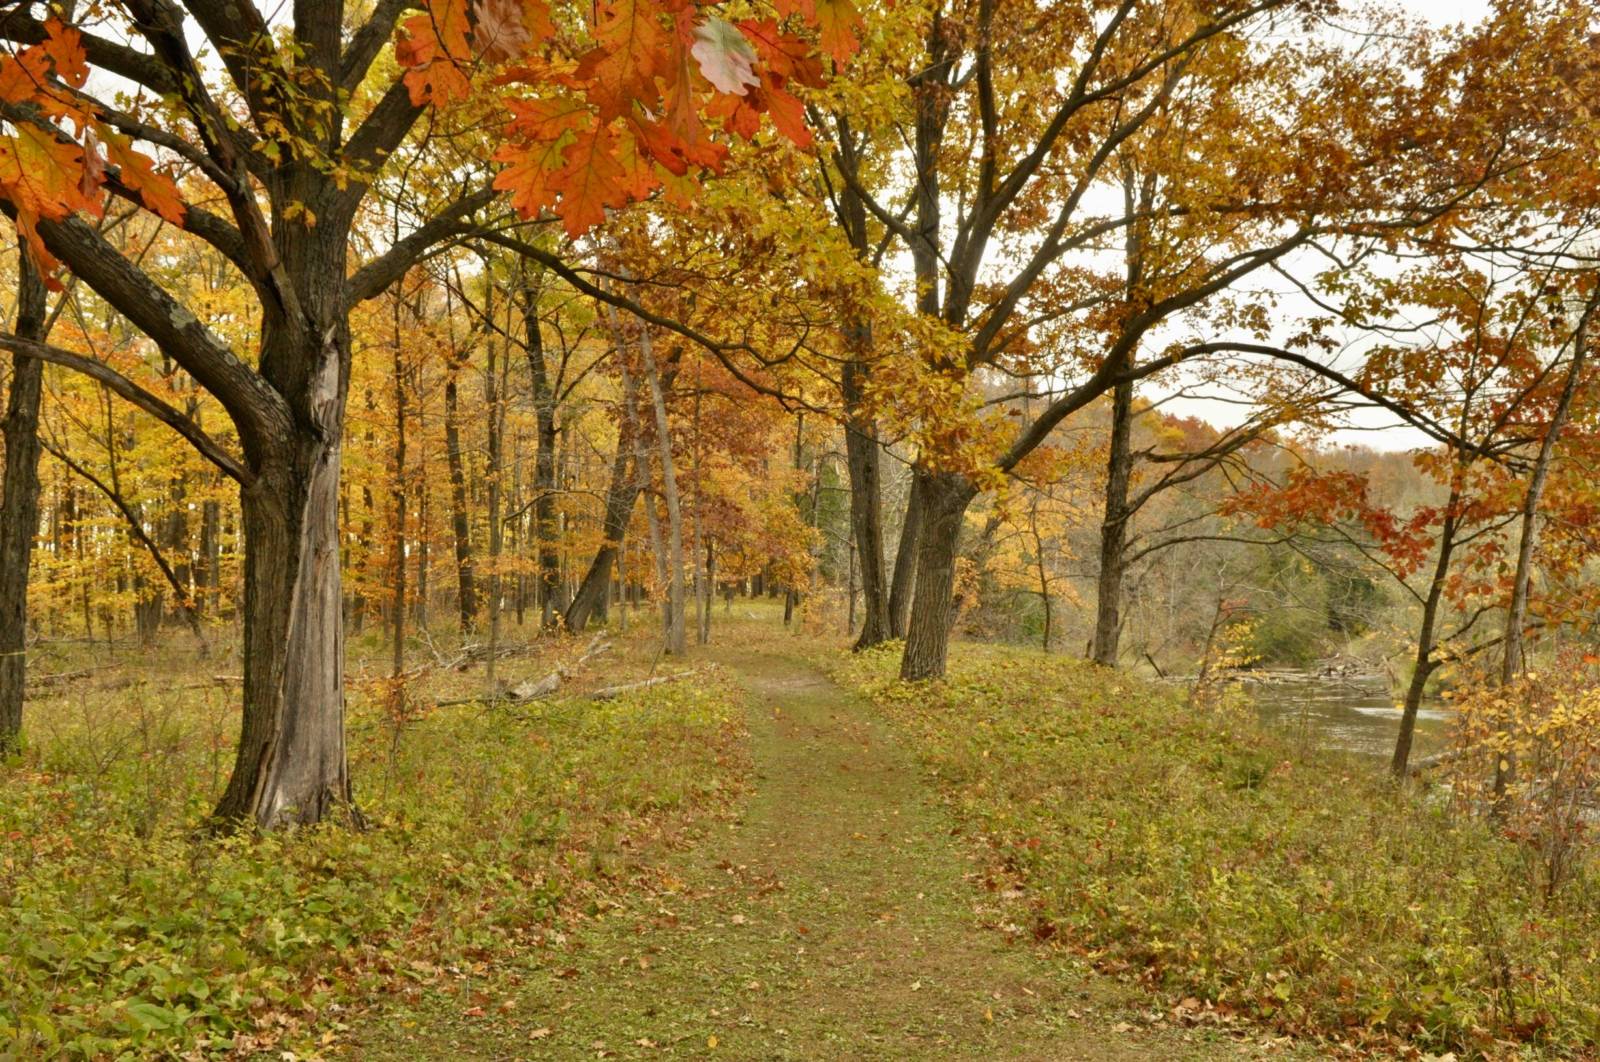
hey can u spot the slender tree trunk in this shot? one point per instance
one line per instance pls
(1114, 529)
(1512, 656)
(905, 560)
(211, 551)
(621, 494)
(791, 596)
(945, 500)
(1044, 573)
(864, 462)
(1425, 663)
(711, 577)
(676, 634)
(494, 396)
(19, 503)
(461, 528)
(544, 460)
(398, 541)
(702, 596)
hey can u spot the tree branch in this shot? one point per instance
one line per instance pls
(208, 447)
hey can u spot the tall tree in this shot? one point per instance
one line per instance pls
(19, 500)
(293, 127)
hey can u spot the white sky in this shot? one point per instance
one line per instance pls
(1371, 428)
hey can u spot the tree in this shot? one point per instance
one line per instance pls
(19, 500)
(293, 132)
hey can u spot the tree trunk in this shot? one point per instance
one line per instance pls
(291, 767)
(466, 588)
(945, 500)
(398, 541)
(864, 461)
(1044, 572)
(621, 494)
(1114, 529)
(19, 503)
(711, 582)
(544, 461)
(702, 593)
(676, 632)
(1425, 662)
(791, 596)
(211, 551)
(905, 561)
(1511, 659)
(494, 395)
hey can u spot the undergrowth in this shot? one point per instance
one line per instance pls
(1199, 854)
(124, 929)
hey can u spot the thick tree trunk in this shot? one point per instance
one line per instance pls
(19, 504)
(905, 561)
(1114, 529)
(466, 586)
(291, 767)
(945, 500)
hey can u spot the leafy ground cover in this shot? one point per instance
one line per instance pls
(1196, 854)
(123, 929)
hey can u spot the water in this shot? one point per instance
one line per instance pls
(1354, 714)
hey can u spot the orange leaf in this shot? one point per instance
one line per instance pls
(156, 190)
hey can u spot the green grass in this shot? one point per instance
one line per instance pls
(1206, 859)
(123, 929)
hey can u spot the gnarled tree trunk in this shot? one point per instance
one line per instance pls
(291, 766)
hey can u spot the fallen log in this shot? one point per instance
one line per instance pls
(523, 692)
(606, 693)
(61, 678)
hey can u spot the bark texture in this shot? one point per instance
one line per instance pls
(945, 500)
(19, 504)
(1114, 529)
(903, 581)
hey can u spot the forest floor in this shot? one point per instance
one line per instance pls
(776, 851)
(833, 917)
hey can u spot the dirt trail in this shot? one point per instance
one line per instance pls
(832, 921)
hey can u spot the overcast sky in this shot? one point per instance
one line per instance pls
(1374, 428)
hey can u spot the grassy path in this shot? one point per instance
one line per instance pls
(832, 920)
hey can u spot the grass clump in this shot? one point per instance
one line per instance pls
(1201, 855)
(123, 930)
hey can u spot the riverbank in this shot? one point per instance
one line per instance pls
(1237, 874)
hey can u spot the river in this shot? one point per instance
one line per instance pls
(1354, 714)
